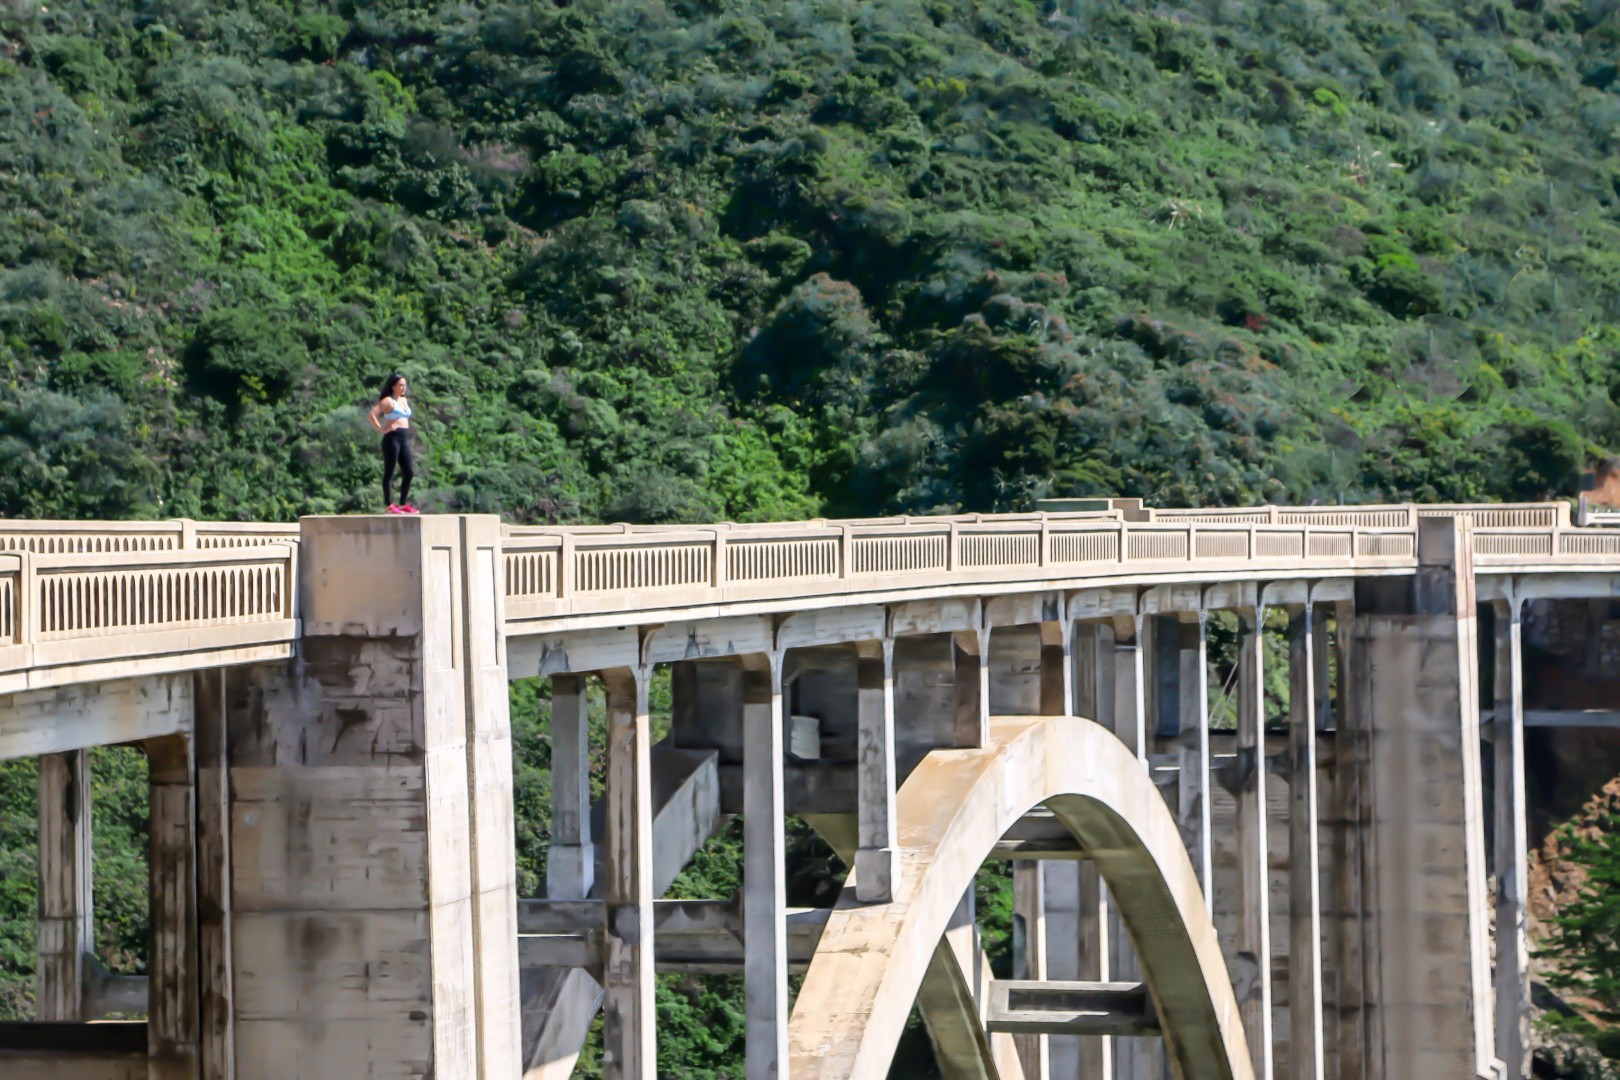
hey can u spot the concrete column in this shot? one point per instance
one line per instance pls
(629, 1018)
(1511, 809)
(571, 860)
(1305, 1045)
(1060, 893)
(764, 868)
(372, 898)
(1416, 675)
(1192, 809)
(1098, 926)
(972, 653)
(1254, 893)
(1348, 1051)
(1057, 669)
(214, 919)
(1029, 958)
(876, 860)
(1134, 1058)
(1070, 1056)
(171, 960)
(66, 927)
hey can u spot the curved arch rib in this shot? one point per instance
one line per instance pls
(952, 810)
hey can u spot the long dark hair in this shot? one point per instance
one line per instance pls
(388, 386)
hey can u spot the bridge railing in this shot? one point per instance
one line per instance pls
(176, 534)
(58, 609)
(1494, 516)
(556, 571)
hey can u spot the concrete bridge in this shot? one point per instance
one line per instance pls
(324, 708)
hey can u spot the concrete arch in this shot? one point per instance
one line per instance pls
(872, 958)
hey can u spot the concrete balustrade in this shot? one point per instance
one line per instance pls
(334, 889)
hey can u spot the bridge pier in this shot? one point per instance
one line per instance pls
(1417, 711)
(66, 927)
(373, 908)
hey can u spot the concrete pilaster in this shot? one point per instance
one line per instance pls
(66, 928)
(764, 870)
(972, 659)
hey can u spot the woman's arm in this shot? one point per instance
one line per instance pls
(377, 410)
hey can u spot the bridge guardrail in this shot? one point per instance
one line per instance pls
(58, 609)
(551, 572)
(176, 534)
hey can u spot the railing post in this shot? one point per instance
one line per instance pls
(846, 550)
(719, 576)
(188, 533)
(565, 567)
(28, 600)
(951, 541)
(1046, 536)
(1192, 542)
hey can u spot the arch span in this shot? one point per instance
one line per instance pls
(872, 958)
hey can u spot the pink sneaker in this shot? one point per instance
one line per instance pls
(393, 508)
(409, 509)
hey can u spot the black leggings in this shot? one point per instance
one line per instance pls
(396, 449)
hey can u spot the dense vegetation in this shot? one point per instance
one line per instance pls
(695, 260)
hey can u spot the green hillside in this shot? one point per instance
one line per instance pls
(696, 260)
(699, 260)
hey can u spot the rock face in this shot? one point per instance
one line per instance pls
(1554, 881)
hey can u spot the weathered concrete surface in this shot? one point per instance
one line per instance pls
(872, 959)
(1416, 676)
(38, 722)
(373, 913)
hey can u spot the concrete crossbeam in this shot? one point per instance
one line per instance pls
(1036, 1007)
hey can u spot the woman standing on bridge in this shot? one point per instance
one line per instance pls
(392, 416)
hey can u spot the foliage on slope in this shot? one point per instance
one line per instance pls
(691, 259)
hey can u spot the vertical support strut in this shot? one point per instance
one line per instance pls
(629, 1036)
(66, 929)
(1512, 949)
(1304, 889)
(764, 869)
(172, 953)
(1346, 867)
(571, 862)
(876, 860)
(1193, 811)
(972, 653)
(214, 857)
(1254, 895)
(1029, 960)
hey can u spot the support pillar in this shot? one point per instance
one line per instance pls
(171, 959)
(1305, 1046)
(66, 927)
(764, 868)
(972, 653)
(630, 1047)
(373, 901)
(1347, 861)
(1029, 960)
(1416, 675)
(1254, 892)
(877, 859)
(571, 860)
(1134, 1058)
(1193, 810)
(1088, 1058)
(214, 917)
(1057, 669)
(1060, 893)
(1511, 809)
